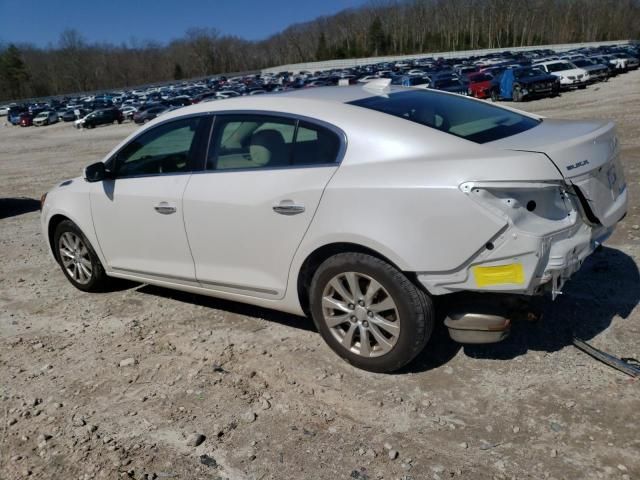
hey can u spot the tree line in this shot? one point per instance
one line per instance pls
(380, 27)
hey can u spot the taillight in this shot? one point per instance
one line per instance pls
(530, 206)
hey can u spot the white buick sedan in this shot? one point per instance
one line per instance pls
(359, 206)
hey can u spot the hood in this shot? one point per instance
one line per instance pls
(536, 79)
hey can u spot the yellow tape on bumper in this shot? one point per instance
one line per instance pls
(499, 275)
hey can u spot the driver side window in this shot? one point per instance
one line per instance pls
(167, 148)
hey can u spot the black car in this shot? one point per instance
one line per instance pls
(149, 114)
(450, 84)
(528, 82)
(70, 115)
(103, 117)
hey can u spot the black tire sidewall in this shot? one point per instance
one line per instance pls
(97, 271)
(414, 308)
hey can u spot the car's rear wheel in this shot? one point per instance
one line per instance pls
(494, 96)
(369, 312)
(78, 260)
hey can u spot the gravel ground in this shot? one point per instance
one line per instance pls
(148, 383)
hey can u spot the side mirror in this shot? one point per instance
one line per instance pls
(96, 172)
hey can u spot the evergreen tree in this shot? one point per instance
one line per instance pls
(322, 52)
(13, 71)
(178, 74)
(377, 38)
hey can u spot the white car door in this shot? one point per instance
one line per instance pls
(137, 214)
(247, 213)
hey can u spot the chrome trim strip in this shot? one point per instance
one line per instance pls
(183, 279)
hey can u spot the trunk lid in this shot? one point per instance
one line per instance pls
(587, 154)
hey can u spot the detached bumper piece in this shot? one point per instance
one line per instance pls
(629, 366)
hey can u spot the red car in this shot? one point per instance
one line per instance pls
(480, 85)
(26, 119)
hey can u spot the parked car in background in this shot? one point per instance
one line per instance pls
(128, 111)
(102, 117)
(603, 60)
(597, 71)
(149, 114)
(570, 76)
(524, 83)
(45, 118)
(630, 62)
(4, 110)
(71, 115)
(480, 85)
(26, 119)
(449, 84)
(14, 113)
(620, 64)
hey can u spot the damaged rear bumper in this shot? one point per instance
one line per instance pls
(535, 264)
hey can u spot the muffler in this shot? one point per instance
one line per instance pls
(475, 327)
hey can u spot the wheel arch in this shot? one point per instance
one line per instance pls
(54, 221)
(320, 254)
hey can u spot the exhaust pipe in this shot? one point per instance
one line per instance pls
(475, 327)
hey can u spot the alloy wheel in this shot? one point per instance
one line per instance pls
(361, 314)
(75, 258)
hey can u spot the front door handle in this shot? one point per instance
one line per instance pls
(287, 207)
(164, 208)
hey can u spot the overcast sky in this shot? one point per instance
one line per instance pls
(116, 21)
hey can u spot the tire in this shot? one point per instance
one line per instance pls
(581, 87)
(78, 259)
(494, 96)
(516, 95)
(408, 322)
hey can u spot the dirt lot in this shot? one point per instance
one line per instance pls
(271, 399)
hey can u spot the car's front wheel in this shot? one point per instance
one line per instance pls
(369, 312)
(517, 94)
(78, 260)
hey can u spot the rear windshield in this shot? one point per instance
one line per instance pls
(472, 120)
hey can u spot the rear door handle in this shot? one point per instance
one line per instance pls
(287, 207)
(165, 208)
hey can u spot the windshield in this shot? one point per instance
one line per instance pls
(582, 63)
(472, 120)
(446, 83)
(527, 72)
(560, 66)
(480, 77)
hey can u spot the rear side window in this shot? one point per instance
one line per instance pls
(472, 120)
(315, 145)
(264, 141)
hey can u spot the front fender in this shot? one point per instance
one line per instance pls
(72, 201)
